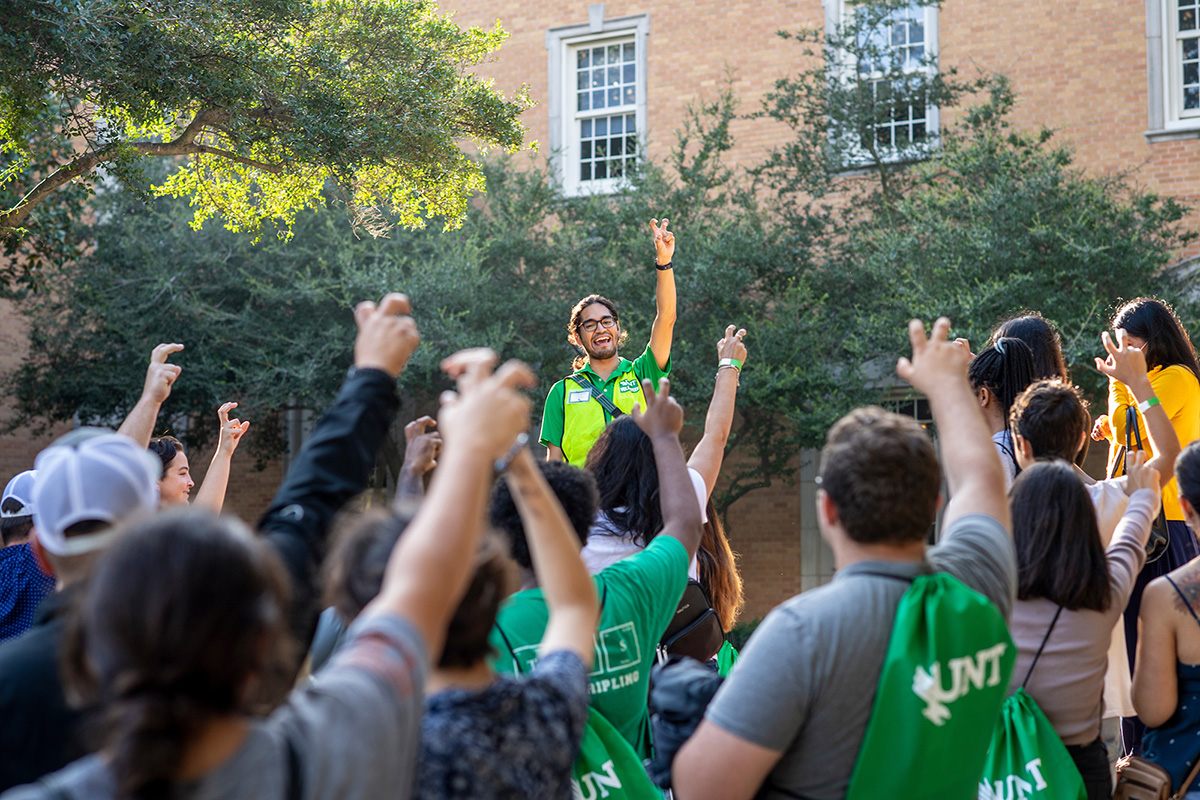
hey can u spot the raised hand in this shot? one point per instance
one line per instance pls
(664, 241)
(422, 445)
(936, 363)
(160, 375)
(232, 430)
(486, 411)
(1138, 474)
(1124, 363)
(662, 415)
(731, 345)
(387, 336)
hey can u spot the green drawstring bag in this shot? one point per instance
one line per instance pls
(943, 682)
(608, 767)
(1027, 758)
(726, 657)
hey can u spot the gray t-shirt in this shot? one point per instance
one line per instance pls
(354, 734)
(805, 684)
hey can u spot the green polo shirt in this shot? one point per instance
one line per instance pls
(644, 367)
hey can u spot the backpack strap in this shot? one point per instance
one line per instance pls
(887, 575)
(1042, 646)
(599, 396)
(1179, 592)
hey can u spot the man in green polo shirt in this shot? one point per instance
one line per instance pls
(574, 418)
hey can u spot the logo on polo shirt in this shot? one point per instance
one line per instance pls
(629, 386)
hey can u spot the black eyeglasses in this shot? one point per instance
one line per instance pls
(603, 322)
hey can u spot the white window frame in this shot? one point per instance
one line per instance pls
(836, 11)
(561, 46)
(1168, 120)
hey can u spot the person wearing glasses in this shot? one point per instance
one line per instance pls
(604, 385)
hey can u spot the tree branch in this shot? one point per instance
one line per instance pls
(184, 144)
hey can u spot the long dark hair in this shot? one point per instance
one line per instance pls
(1059, 555)
(1044, 341)
(1155, 322)
(622, 461)
(718, 570)
(185, 612)
(1005, 369)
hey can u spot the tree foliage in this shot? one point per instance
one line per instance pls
(269, 101)
(996, 220)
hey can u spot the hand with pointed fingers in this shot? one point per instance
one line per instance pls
(936, 363)
(232, 430)
(1138, 475)
(487, 411)
(1124, 363)
(731, 345)
(663, 416)
(421, 445)
(664, 242)
(387, 336)
(1102, 429)
(160, 375)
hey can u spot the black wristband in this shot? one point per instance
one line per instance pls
(664, 267)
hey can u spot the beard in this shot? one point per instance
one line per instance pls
(603, 352)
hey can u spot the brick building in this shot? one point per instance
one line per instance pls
(1119, 79)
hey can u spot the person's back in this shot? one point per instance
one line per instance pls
(1166, 682)
(792, 716)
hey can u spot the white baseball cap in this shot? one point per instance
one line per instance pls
(20, 488)
(90, 474)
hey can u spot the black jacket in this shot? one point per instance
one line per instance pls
(39, 733)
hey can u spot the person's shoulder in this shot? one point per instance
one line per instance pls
(662, 550)
(89, 777)
(1174, 378)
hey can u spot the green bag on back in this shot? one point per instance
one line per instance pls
(943, 681)
(1027, 758)
(608, 767)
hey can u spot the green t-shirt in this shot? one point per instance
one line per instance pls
(639, 595)
(644, 367)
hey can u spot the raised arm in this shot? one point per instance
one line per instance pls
(160, 375)
(554, 549)
(938, 369)
(661, 421)
(663, 330)
(1127, 366)
(216, 481)
(421, 449)
(710, 451)
(431, 565)
(336, 461)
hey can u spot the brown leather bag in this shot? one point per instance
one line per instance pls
(1139, 779)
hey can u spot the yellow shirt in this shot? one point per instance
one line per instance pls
(1179, 393)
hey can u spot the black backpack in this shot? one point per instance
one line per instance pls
(695, 630)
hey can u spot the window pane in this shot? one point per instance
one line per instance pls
(584, 105)
(582, 58)
(582, 83)
(598, 98)
(597, 77)
(916, 32)
(630, 145)
(617, 123)
(628, 50)
(585, 150)
(1191, 97)
(1191, 73)
(614, 75)
(602, 148)
(1187, 19)
(614, 96)
(628, 76)
(601, 170)
(918, 131)
(585, 171)
(1191, 49)
(616, 168)
(586, 129)
(602, 126)
(616, 147)
(614, 53)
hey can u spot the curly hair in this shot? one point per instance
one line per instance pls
(573, 325)
(576, 492)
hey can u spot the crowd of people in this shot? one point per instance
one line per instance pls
(495, 632)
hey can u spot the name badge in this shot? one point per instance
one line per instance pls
(581, 396)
